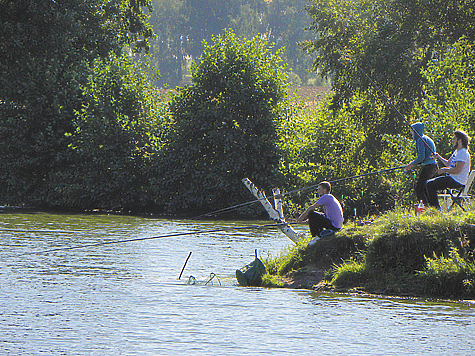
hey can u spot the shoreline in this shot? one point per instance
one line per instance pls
(306, 281)
(429, 256)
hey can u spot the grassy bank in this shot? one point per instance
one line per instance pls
(397, 254)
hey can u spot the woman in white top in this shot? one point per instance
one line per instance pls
(455, 171)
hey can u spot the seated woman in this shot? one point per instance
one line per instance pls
(455, 171)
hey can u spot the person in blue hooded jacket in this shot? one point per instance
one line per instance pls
(425, 149)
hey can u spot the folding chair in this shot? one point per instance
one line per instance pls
(462, 198)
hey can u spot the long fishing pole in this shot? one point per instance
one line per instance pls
(216, 212)
(344, 179)
(155, 237)
(389, 102)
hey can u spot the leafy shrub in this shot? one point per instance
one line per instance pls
(225, 126)
(117, 129)
(448, 276)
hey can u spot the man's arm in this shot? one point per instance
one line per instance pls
(442, 159)
(304, 215)
(455, 170)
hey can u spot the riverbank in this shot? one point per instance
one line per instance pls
(397, 254)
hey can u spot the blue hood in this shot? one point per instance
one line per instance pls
(424, 146)
(419, 128)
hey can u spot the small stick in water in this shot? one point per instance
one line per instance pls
(184, 265)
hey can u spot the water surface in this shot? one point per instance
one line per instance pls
(126, 299)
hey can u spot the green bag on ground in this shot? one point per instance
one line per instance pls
(251, 274)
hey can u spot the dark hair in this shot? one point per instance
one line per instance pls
(326, 185)
(461, 135)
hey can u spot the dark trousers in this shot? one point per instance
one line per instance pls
(427, 172)
(317, 222)
(439, 183)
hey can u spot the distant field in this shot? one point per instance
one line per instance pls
(312, 95)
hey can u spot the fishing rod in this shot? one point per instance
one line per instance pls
(215, 212)
(297, 190)
(156, 237)
(344, 179)
(389, 102)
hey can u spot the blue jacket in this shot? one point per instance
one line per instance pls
(424, 154)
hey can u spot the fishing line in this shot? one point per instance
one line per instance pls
(50, 231)
(155, 237)
(227, 209)
(347, 178)
(216, 212)
(389, 102)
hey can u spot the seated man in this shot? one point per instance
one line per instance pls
(455, 170)
(332, 217)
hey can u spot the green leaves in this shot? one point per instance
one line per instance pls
(390, 41)
(225, 124)
(450, 94)
(49, 48)
(117, 129)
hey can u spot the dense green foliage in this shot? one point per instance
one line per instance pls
(420, 66)
(319, 144)
(224, 126)
(391, 41)
(449, 101)
(82, 128)
(430, 255)
(118, 129)
(48, 48)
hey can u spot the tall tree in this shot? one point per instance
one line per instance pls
(391, 42)
(48, 47)
(205, 19)
(225, 125)
(181, 26)
(286, 24)
(168, 48)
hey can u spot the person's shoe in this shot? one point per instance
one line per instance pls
(313, 241)
(326, 232)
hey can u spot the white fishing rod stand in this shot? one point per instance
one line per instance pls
(275, 212)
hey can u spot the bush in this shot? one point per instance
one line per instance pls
(225, 127)
(398, 254)
(448, 276)
(117, 129)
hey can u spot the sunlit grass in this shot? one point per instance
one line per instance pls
(430, 254)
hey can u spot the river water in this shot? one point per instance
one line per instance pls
(126, 298)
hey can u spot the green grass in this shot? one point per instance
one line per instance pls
(428, 255)
(451, 276)
(287, 261)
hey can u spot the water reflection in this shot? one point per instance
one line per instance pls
(126, 299)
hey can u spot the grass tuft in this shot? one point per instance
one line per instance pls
(431, 254)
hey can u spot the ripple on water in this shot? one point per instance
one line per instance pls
(125, 299)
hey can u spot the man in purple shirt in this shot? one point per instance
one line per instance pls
(332, 216)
